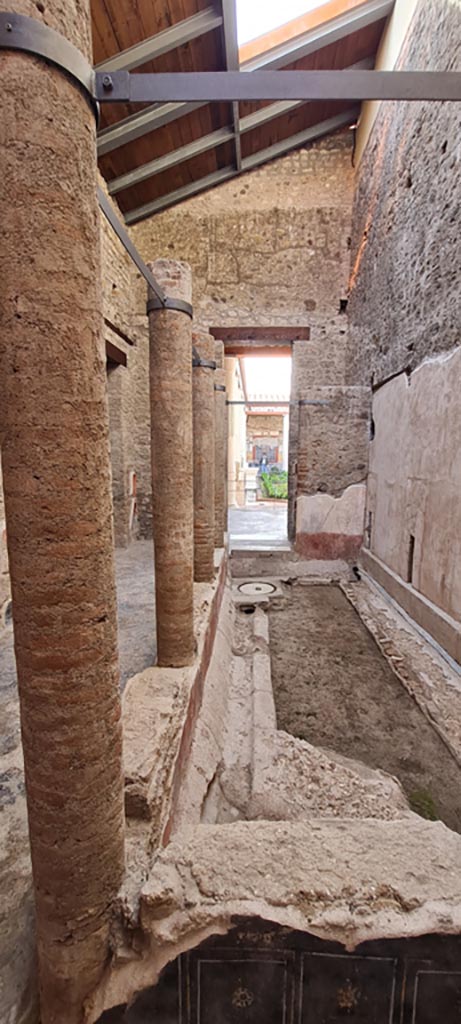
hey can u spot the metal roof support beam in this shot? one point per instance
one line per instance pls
(177, 35)
(348, 117)
(343, 25)
(217, 178)
(177, 156)
(201, 145)
(230, 86)
(225, 173)
(206, 142)
(137, 125)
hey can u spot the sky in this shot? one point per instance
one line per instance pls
(268, 377)
(255, 17)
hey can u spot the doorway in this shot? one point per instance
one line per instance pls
(258, 365)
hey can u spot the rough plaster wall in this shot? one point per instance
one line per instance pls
(124, 307)
(405, 306)
(273, 248)
(418, 494)
(404, 290)
(270, 248)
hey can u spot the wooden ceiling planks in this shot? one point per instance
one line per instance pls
(119, 24)
(360, 46)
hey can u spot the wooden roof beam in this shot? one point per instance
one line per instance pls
(163, 42)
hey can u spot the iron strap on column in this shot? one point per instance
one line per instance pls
(208, 364)
(18, 32)
(180, 305)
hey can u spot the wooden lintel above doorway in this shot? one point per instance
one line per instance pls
(259, 341)
(260, 335)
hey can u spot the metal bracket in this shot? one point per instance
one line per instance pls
(313, 401)
(219, 387)
(208, 364)
(18, 32)
(180, 305)
(231, 86)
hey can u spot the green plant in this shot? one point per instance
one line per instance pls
(275, 485)
(422, 803)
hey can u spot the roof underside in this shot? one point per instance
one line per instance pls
(153, 157)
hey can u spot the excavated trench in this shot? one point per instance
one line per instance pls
(294, 861)
(333, 688)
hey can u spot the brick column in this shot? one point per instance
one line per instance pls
(220, 489)
(56, 477)
(170, 333)
(204, 457)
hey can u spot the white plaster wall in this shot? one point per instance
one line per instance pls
(323, 513)
(415, 478)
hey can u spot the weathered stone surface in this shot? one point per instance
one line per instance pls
(345, 881)
(170, 334)
(333, 439)
(160, 707)
(404, 287)
(56, 475)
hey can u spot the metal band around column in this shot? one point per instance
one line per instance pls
(18, 32)
(176, 304)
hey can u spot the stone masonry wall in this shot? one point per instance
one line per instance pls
(405, 325)
(272, 248)
(404, 289)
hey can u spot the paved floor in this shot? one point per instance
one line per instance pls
(258, 526)
(136, 633)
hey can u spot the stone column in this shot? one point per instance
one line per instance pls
(204, 457)
(56, 477)
(170, 333)
(220, 488)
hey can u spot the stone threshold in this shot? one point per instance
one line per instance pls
(444, 629)
(285, 563)
(160, 708)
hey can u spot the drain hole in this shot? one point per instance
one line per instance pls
(256, 588)
(248, 609)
